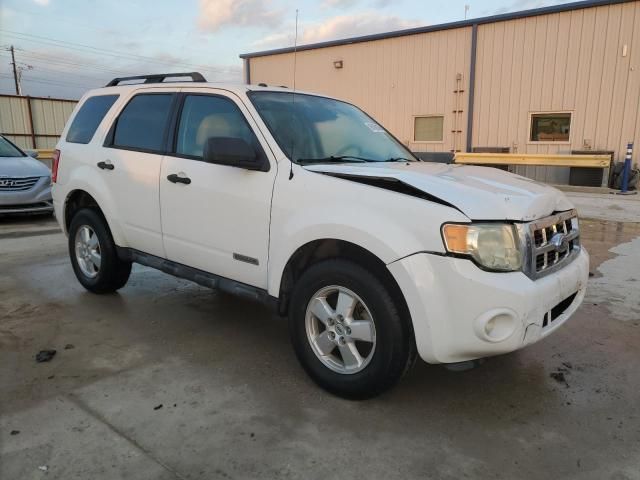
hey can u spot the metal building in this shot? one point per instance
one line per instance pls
(548, 80)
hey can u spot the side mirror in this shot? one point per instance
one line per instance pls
(233, 152)
(32, 153)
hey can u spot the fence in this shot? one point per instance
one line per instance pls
(33, 122)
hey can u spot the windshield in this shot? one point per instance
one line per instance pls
(7, 149)
(312, 129)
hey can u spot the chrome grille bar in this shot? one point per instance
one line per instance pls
(17, 183)
(552, 242)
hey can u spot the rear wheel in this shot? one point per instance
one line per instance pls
(347, 331)
(93, 254)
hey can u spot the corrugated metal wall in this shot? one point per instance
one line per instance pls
(391, 79)
(49, 117)
(570, 61)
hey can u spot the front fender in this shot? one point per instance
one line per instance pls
(388, 224)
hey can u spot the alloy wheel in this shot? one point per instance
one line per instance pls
(340, 329)
(88, 252)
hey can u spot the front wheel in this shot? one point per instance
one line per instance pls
(347, 331)
(93, 254)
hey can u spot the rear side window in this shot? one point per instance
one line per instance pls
(142, 123)
(88, 118)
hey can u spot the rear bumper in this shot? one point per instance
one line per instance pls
(453, 304)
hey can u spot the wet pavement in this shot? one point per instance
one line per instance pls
(169, 380)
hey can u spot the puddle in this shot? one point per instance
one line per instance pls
(600, 237)
(618, 284)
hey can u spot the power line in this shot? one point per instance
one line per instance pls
(50, 82)
(38, 58)
(102, 51)
(71, 74)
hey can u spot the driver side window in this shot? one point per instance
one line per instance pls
(205, 116)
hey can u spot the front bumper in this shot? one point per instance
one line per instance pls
(35, 200)
(451, 300)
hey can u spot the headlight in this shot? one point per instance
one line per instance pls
(493, 246)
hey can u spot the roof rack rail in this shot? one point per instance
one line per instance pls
(157, 78)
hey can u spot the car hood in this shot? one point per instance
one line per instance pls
(22, 167)
(481, 193)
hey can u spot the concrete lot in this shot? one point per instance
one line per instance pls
(168, 380)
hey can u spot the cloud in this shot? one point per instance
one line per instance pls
(216, 14)
(43, 3)
(338, 27)
(385, 3)
(339, 3)
(344, 26)
(520, 5)
(274, 40)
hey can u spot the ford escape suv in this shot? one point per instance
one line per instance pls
(308, 203)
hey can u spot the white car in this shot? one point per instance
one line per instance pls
(306, 202)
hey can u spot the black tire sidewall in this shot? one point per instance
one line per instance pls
(392, 336)
(110, 265)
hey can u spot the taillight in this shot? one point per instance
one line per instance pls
(54, 166)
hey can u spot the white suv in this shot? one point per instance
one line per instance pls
(306, 202)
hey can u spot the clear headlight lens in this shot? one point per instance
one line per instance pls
(494, 246)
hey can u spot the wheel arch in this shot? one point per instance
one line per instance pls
(78, 199)
(323, 249)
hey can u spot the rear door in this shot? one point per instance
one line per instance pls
(132, 161)
(219, 220)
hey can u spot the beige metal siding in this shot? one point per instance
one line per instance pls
(570, 61)
(566, 62)
(49, 119)
(14, 118)
(393, 79)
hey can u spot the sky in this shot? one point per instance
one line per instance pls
(66, 47)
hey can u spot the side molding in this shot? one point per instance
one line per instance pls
(200, 277)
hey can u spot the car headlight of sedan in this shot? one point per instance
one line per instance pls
(493, 246)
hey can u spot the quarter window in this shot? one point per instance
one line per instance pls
(88, 118)
(142, 123)
(205, 116)
(428, 129)
(550, 127)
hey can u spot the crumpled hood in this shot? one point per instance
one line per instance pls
(481, 193)
(22, 167)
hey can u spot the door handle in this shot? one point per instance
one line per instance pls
(106, 165)
(174, 178)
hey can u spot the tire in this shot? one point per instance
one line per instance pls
(385, 359)
(112, 273)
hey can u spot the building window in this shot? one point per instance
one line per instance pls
(428, 128)
(550, 127)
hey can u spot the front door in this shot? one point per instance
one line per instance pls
(216, 217)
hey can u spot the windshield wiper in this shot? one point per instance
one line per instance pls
(399, 159)
(334, 159)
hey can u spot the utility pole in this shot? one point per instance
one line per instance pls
(15, 70)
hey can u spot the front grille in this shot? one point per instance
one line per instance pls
(555, 241)
(16, 184)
